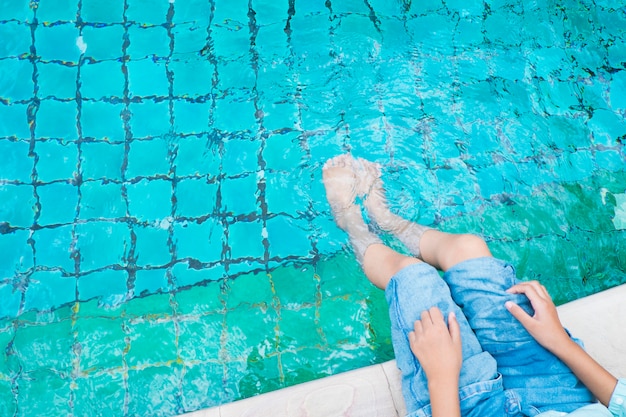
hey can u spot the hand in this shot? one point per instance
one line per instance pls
(437, 346)
(544, 325)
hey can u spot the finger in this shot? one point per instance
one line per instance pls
(426, 319)
(529, 290)
(417, 327)
(435, 315)
(454, 328)
(518, 313)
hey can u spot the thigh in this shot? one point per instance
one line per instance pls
(417, 288)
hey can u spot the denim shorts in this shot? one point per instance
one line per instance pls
(505, 371)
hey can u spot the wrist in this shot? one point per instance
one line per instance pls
(563, 347)
(443, 381)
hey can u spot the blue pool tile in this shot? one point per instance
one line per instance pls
(244, 239)
(490, 179)
(269, 44)
(147, 78)
(102, 79)
(18, 10)
(193, 77)
(593, 94)
(617, 89)
(56, 119)
(150, 281)
(58, 203)
(195, 198)
(103, 392)
(17, 254)
(148, 158)
(610, 160)
(241, 156)
(100, 120)
(16, 39)
(55, 10)
(617, 53)
(464, 8)
(102, 160)
(190, 38)
(148, 13)
(151, 246)
(237, 10)
(98, 12)
(150, 118)
(17, 80)
(150, 200)
(203, 242)
(513, 133)
(49, 289)
(197, 156)
(11, 300)
(18, 208)
(186, 276)
(148, 42)
(102, 244)
(103, 42)
(575, 166)
(284, 196)
(268, 14)
(232, 39)
(288, 236)
(197, 11)
(14, 121)
(101, 200)
(58, 42)
(548, 62)
(109, 286)
(606, 127)
(56, 80)
(282, 151)
(57, 161)
(191, 118)
(239, 195)
(53, 248)
(141, 399)
(15, 163)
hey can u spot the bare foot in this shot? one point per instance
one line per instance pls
(370, 187)
(340, 183)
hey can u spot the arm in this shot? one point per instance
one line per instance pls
(546, 328)
(438, 349)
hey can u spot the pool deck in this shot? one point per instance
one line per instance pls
(375, 390)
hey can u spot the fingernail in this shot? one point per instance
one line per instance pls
(508, 304)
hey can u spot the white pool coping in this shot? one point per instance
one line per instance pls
(374, 391)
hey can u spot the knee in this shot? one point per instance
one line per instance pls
(470, 246)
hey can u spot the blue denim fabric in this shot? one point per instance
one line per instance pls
(505, 372)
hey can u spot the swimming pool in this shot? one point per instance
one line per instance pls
(166, 241)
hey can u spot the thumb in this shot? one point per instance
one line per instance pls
(518, 313)
(455, 329)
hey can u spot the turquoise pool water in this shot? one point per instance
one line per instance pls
(166, 241)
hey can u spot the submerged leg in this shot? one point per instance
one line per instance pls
(378, 261)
